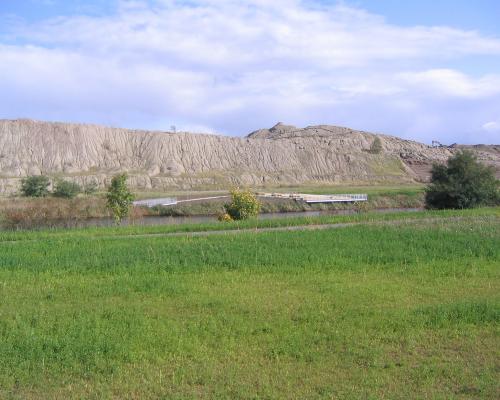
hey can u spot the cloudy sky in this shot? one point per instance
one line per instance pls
(427, 69)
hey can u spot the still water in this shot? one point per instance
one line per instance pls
(156, 220)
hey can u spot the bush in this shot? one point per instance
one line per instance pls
(119, 198)
(224, 217)
(35, 186)
(361, 206)
(67, 189)
(376, 147)
(243, 205)
(462, 183)
(91, 188)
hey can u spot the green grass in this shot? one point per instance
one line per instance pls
(408, 310)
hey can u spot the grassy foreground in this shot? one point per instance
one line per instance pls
(395, 311)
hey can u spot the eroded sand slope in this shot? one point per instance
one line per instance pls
(282, 155)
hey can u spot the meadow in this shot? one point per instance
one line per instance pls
(394, 306)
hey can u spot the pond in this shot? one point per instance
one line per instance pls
(161, 220)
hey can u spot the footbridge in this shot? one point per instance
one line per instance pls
(307, 198)
(317, 198)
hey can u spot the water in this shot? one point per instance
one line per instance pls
(195, 219)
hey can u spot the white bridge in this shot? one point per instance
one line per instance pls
(172, 201)
(308, 198)
(317, 198)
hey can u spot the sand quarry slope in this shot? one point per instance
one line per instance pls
(282, 155)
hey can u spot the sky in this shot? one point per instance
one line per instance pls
(423, 70)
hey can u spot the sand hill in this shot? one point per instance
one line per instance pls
(282, 155)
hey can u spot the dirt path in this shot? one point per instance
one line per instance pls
(237, 231)
(311, 227)
(262, 230)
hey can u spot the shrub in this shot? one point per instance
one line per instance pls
(119, 198)
(243, 205)
(35, 186)
(224, 217)
(91, 188)
(376, 147)
(66, 189)
(361, 206)
(462, 183)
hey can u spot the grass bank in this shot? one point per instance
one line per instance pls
(394, 311)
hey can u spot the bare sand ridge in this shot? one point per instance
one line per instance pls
(282, 155)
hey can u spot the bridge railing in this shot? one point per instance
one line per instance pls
(334, 198)
(166, 201)
(354, 197)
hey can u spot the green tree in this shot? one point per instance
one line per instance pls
(463, 182)
(244, 205)
(376, 147)
(35, 186)
(66, 189)
(119, 198)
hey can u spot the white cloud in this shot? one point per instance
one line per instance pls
(447, 82)
(235, 66)
(248, 33)
(492, 126)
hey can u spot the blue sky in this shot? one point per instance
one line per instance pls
(418, 69)
(464, 14)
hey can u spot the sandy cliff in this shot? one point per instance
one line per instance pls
(282, 155)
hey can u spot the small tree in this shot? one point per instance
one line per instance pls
(376, 147)
(119, 198)
(462, 183)
(35, 186)
(66, 189)
(244, 205)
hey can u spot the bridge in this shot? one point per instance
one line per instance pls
(318, 198)
(172, 201)
(308, 198)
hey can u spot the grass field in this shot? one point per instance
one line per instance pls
(403, 310)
